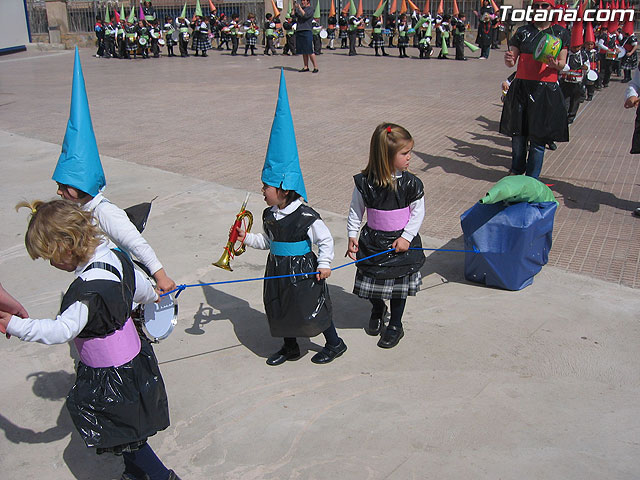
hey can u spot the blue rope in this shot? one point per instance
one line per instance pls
(181, 288)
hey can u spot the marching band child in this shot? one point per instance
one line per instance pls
(233, 32)
(290, 45)
(142, 29)
(119, 398)
(573, 73)
(131, 30)
(296, 306)
(592, 54)
(270, 35)
(378, 40)
(183, 39)
(251, 36)
(316, 28)
(403, 36)
(331, 31)
(630, 44)
(343, 25)
(393, 199)
(155, 33)
(201, 37)
(169, 29)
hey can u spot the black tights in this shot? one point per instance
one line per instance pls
(382, 48)
(144, 461)
(397, 309)
(330, 336)
(402, 50)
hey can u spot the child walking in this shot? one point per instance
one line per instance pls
(80, 179)
(119, 398)
(295, 306)
(393, 199)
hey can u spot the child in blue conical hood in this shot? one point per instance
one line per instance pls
(80, 178)
(295, 306)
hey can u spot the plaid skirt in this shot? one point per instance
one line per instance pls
(387, 288)
(251, 40)
(630, 62)
(360, 34)
(331, 33)
(403, 41)
(343, 34)
(201, 43)
(378, 41)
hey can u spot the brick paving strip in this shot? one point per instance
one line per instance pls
(210, 118)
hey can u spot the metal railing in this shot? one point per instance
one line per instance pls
(37, 12)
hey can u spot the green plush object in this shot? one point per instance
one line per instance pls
(519, 188)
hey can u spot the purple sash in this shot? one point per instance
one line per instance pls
(111, 351)
(388, 220)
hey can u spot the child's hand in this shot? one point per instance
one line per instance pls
(5, 318)
(401, 245)
(241, 234)
(163, 282)
(631, 102)
(509, 58)
(324, 273)
(352, 249)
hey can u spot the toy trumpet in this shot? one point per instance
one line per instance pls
(229, 250)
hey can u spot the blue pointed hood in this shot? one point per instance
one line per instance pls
(79, 163)
(282, 165)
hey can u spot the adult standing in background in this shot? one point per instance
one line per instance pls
(304, 36)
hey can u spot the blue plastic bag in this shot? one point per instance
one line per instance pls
(512, 242)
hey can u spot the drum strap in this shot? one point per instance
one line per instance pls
(104, 266)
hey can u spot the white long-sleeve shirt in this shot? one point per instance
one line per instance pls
(71, 322)
(633, 87)
(116, 224)
(318, 233)
(357, 209)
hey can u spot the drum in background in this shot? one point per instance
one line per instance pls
(142, 41)
(161, 42)
(592, 75)
(323, 34)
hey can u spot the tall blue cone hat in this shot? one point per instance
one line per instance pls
(79, 163)
(281, 164)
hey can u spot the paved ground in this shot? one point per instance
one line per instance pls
(210, 118)
(541, 383)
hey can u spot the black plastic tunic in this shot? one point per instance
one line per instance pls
(295, 306)
(392, 264)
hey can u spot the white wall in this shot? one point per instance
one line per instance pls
(13, 24)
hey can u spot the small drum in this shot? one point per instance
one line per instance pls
(573, 76)
(159, 319)
(161, 42)
(611, 55)
(386, 31)
(185, 36)
(323, 33)
(621, 52)
(548, 48)
(294, 27)
(592, 75)
(155, 35)
(142, 41)
(411, 31)
(226, 30)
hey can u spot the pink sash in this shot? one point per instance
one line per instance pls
(388, 220)
(111, 351)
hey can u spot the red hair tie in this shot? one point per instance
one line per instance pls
(389, 129)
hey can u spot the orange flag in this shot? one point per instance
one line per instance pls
(413, 6)
(456, 10)
(440, 10)
(403, 8)
(392, 10)
(496, 10)
(332, 10)
(360, 11)
(427, 6)
(346, 7)
(276, 12)
(212, 7)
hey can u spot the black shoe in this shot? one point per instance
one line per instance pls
(391, 337)
(376, 322)
(329, 353)
(636, 212)
(205, 55)
(552, 146)
(173, 476)
(304, 69)
(130, 476)
(626, 80)
(589, 98)
(315, 70)
(284, 354)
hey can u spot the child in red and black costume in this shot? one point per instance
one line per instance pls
(533, 111)
(594, 64)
